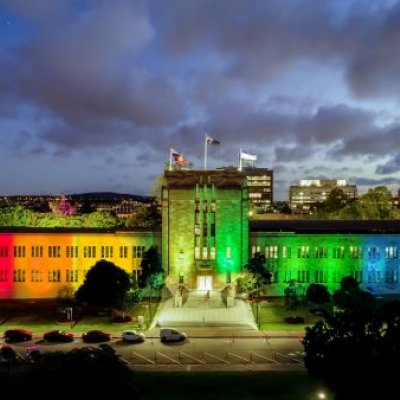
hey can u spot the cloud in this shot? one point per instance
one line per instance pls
(390, 167)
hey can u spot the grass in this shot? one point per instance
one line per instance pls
(229, 385)
(273, 314)
(42, 316)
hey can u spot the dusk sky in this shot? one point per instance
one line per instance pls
(94, 93)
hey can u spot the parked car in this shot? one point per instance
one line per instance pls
(96, 336)
(58, 336)
(132, 336)
(8, 353)
(33, 353)
(172, 335)
(17, 335)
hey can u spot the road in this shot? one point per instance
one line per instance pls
(197, 353)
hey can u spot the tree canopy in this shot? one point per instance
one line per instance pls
(256, 266)
(318, 294)
(356, 349)
(105, 285)
(151, 268)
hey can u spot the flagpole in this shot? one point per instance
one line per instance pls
(205, 152)
(170, 159)
(240, 159)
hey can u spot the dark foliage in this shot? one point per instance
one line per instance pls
(257, 268)
(105, 285)
(294, 320)
(318, 294)
(150, 265)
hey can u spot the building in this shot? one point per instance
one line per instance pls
(259, 182)
(205, 241)
(309, 192)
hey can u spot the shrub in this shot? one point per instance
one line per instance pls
(294, 320)
(121, 319)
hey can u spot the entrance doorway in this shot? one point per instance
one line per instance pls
(204, 282)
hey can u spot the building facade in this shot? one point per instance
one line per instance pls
(205, 242)
(309, 192)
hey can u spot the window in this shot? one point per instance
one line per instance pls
(71, 251)
(19, 251)
(213, 207)
(286, 252)
(197, 230)
(107, 251)
(228, 252)
(205, 253)
(197, 252)
(391, 252)
(3, 275)
(338, 252)
(138, 251)
(19, 275)
(205, 230)
(54, 251)
(303, 276)
(357, 275)
(303, 252)
(374, 276)
(3, 251)
(320, 252)
(36, 275)
(123, 251)
(271, 251)
(89, 251)
(373, 252)
(37, 251)
(71, 275)
(212, 230)
(254, 250)
(355, 252)
(320, 276)
(54, 275)
(212, 253)
(391, 276)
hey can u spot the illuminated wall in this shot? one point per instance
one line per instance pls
(205, 226)
(325, 258)
(39, 264)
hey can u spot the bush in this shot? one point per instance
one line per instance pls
(319, 312)
(294, 320)
(121, 319)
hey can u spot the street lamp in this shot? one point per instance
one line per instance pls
(181, 255)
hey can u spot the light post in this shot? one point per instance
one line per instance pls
(180, 266)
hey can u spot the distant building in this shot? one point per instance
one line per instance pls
(259, 182)
(309, 192)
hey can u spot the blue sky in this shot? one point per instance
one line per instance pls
(93, 93)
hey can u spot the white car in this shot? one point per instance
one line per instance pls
(172, 335)
(133, 337)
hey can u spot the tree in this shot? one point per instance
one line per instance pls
(147, 217)
(335, 200)
(151, 264)
(256, 266)
(356, 354)
(318, 294)
(105, 285)
(100, 219)
(293, 295)
(377, 204)
(93, 372)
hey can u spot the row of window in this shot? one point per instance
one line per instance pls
(373, 252)
(37, 275)
(73, 251)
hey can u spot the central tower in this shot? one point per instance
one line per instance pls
(204, 227)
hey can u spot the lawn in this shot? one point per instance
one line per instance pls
(272, 316)
(229, 385)
(41, 316)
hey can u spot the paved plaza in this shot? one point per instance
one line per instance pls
(205, 309)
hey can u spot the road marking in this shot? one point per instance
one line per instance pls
(290, 358)
(191, 357)
(240, 357)
(267, 358)
(218, 358)
(167, 357)
(143, 357)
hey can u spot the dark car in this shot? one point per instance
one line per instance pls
(58, 336)
(8, 353)
(96, 337)
(17, 335)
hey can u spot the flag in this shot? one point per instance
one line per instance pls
(247, 156)
(178, 157)
(211, 140)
